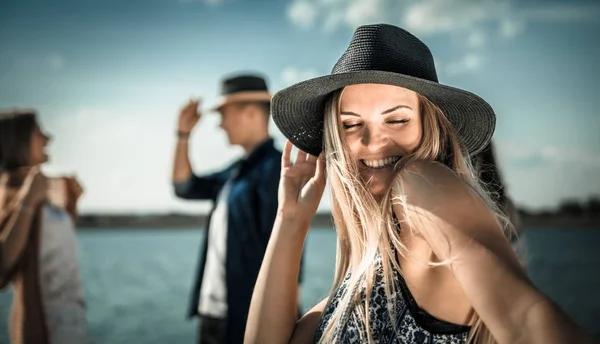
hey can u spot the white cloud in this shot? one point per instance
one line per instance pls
(432, 17)
(292, 75)
(446, 16)
(429, 17)
(564, 13)
(476, 39)
(332, 21)
(361, 12)
(469, 63)
(303, 13)
(56, 61)
(333, 14)
(511, 27)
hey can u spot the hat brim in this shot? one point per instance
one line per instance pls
(240, 97)
(298, 110)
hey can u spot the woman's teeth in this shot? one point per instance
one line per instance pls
(381, 163)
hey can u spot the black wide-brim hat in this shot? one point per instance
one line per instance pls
(381, 54)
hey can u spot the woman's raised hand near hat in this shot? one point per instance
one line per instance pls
(301, 185)
(189, 116)
(274, 310)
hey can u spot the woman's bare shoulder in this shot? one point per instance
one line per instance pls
(434, 189)
(433, 181)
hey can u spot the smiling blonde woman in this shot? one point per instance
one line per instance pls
(422, 249)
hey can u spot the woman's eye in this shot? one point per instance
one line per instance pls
(398, 121)
(350, 125)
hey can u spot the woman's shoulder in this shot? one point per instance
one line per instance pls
(441, 198)
(436, 189)
(431, 179)
(429, 169)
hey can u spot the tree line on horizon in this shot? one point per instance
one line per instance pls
(569, 207)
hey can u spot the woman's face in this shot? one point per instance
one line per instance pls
(381, 123)
(39, 141)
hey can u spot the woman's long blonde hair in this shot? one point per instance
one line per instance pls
(365, 226)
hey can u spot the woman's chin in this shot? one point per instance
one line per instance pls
(41, 160)
(379, 184)
(379, 189)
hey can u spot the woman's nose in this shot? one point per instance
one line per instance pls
(374, 139)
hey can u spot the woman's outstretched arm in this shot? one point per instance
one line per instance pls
(461, 228)
(273, 310)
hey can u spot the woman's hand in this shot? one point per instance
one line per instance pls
(64, 193)
(274, 309)
(36, 185)
(301, 185)
(74, 190)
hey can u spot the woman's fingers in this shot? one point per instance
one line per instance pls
(74, 187)
(301, 157)
(302, 171)
(287, 152)
(320, 170)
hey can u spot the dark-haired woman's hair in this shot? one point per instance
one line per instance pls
(16, 129)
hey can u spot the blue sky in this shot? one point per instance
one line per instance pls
(109, 77)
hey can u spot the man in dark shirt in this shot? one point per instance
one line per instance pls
(244, 197)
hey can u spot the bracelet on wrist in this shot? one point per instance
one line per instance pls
(182, 135)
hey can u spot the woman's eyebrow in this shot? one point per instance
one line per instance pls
(349, 113)
(396, 108)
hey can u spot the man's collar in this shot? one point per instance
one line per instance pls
(255, 156)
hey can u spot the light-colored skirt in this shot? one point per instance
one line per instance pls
(67, 323)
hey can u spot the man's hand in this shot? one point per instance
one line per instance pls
(189, 117)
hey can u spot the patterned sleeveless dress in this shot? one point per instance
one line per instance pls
(413, 325)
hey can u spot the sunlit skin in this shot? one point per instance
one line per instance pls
(232, 118)
(63, 192)
(39, 142)
(238, 122)
(382, 123)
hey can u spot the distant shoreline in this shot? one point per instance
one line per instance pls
(320, 220)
